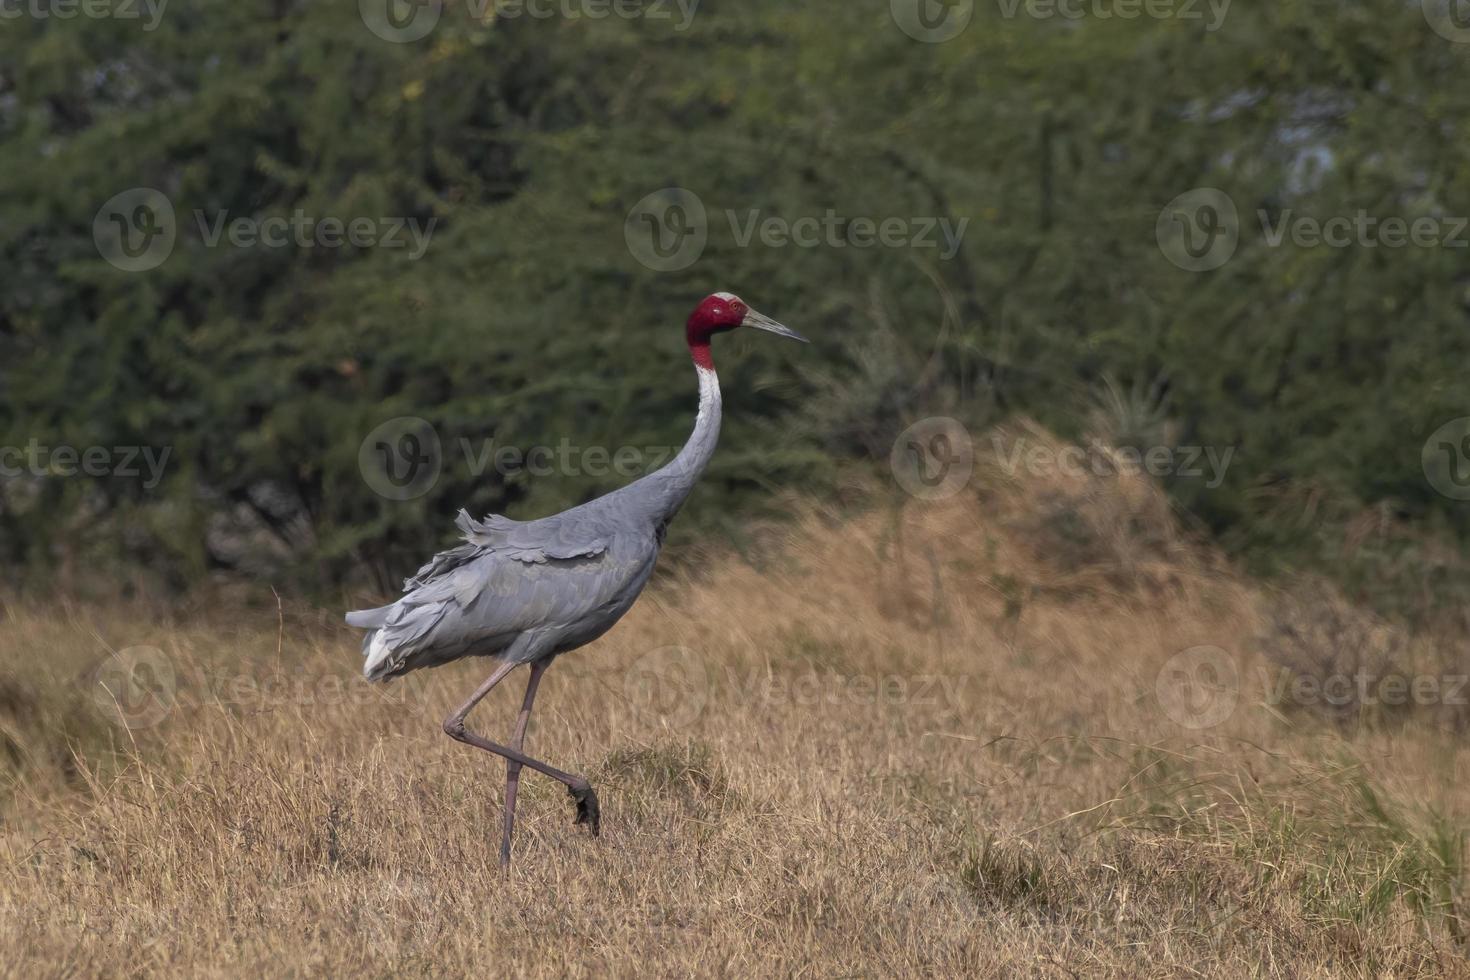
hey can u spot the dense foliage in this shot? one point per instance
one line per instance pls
(528, 319)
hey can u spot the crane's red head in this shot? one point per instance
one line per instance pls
(725, 311)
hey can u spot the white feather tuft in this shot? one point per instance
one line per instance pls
(378, 652)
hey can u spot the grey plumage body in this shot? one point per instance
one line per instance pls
(523, 591)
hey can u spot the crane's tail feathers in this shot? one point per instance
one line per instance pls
(396, 634)
(379, 663)
(376, 646)
(369, 618)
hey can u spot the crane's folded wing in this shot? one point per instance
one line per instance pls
(508, 577)
(562, 536)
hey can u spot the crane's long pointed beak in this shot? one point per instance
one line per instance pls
(762, 322)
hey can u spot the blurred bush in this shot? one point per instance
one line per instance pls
(528, 319)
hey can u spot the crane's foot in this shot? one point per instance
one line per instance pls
(587, 811)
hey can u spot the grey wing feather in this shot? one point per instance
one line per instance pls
(560, 536)
(509, 577)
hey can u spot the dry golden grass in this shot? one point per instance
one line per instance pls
(938, 740)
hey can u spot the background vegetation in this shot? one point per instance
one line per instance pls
(529, 320)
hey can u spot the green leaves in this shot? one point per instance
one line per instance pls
(519, 146)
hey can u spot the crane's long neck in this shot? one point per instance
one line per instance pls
(677, 479)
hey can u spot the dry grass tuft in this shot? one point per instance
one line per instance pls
(1036, 731)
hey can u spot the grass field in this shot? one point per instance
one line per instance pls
(1029, 731)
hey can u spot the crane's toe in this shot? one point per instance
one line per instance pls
(587, 811)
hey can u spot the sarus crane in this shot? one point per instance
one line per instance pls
(525, 592)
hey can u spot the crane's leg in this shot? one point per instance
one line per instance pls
(579, 788)
(513, 768)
